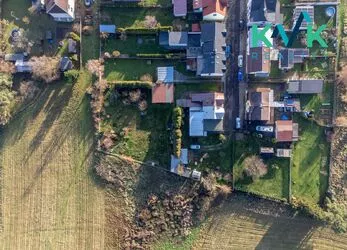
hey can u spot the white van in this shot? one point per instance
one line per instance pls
(240, 61)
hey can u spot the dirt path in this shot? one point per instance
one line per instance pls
(49, 198)
(251, 223)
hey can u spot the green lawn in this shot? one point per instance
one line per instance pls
(147, 138)
(134, 44)
(90, 46)
(180, 89)
(134, 17)
(129, 69)
(37, 26)
(320, 18)
(310, 163)
(274, 183)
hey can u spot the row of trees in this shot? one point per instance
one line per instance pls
(7, 98)
(177, 117)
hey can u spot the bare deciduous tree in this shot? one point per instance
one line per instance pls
(135, 95)
(95, 67)
(6, 67)
(254, 167)
(45, 68)
(150, 22)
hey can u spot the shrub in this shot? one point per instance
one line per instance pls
(147, 78)
(178, 133)
(74, 58)
(74, 36)
(71, 75)
(115, 53)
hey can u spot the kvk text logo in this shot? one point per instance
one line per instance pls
(259, 35)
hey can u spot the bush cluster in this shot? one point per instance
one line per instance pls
(162, 55)
(177, 117)
(142, 30)
(131, 84)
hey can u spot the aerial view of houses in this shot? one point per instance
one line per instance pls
(173, 124)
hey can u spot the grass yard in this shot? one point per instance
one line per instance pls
(49, 197)
(90, 46)
(134, 17)
(182, 88)
(147, 138)
(320, 18)
(320, 103)
(310, 167)
(37, 26)
(273, 184)
(134, 44)
(131, 69)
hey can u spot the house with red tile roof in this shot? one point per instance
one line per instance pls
(163, 93)
(163, 90)
(61, 10)
(214, 10)
(286, 131)
(179, 8)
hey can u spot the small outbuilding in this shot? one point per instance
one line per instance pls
(23, 67)
(107, 28)
(65, 64)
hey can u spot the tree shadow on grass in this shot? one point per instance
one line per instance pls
(287, 229)
(61, 133)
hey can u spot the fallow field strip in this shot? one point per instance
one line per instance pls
(49, 197)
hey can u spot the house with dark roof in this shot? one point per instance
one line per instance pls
(286, 131)
(262, 12)
(173, 40)
(288, 57)
(211, 61)
(314, 86)
(206, 112)
(179, 8)
(258, 56)
(61, 10)
(259, 106)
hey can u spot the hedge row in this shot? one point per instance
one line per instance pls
(158, 55)
(131, 84)
(141, 4)
(177, 133)
(147, 31)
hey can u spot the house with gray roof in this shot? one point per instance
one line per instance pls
(288, 57)
(173, 40)
(313, 86)
(211, 61)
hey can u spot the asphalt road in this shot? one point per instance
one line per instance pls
(235, 38)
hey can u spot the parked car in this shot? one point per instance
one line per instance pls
(238, 123)
(241, 24)
(265, 128)
(240, 61)
(194, 146)
(88, 3)
(227, 51)
(240, 76)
